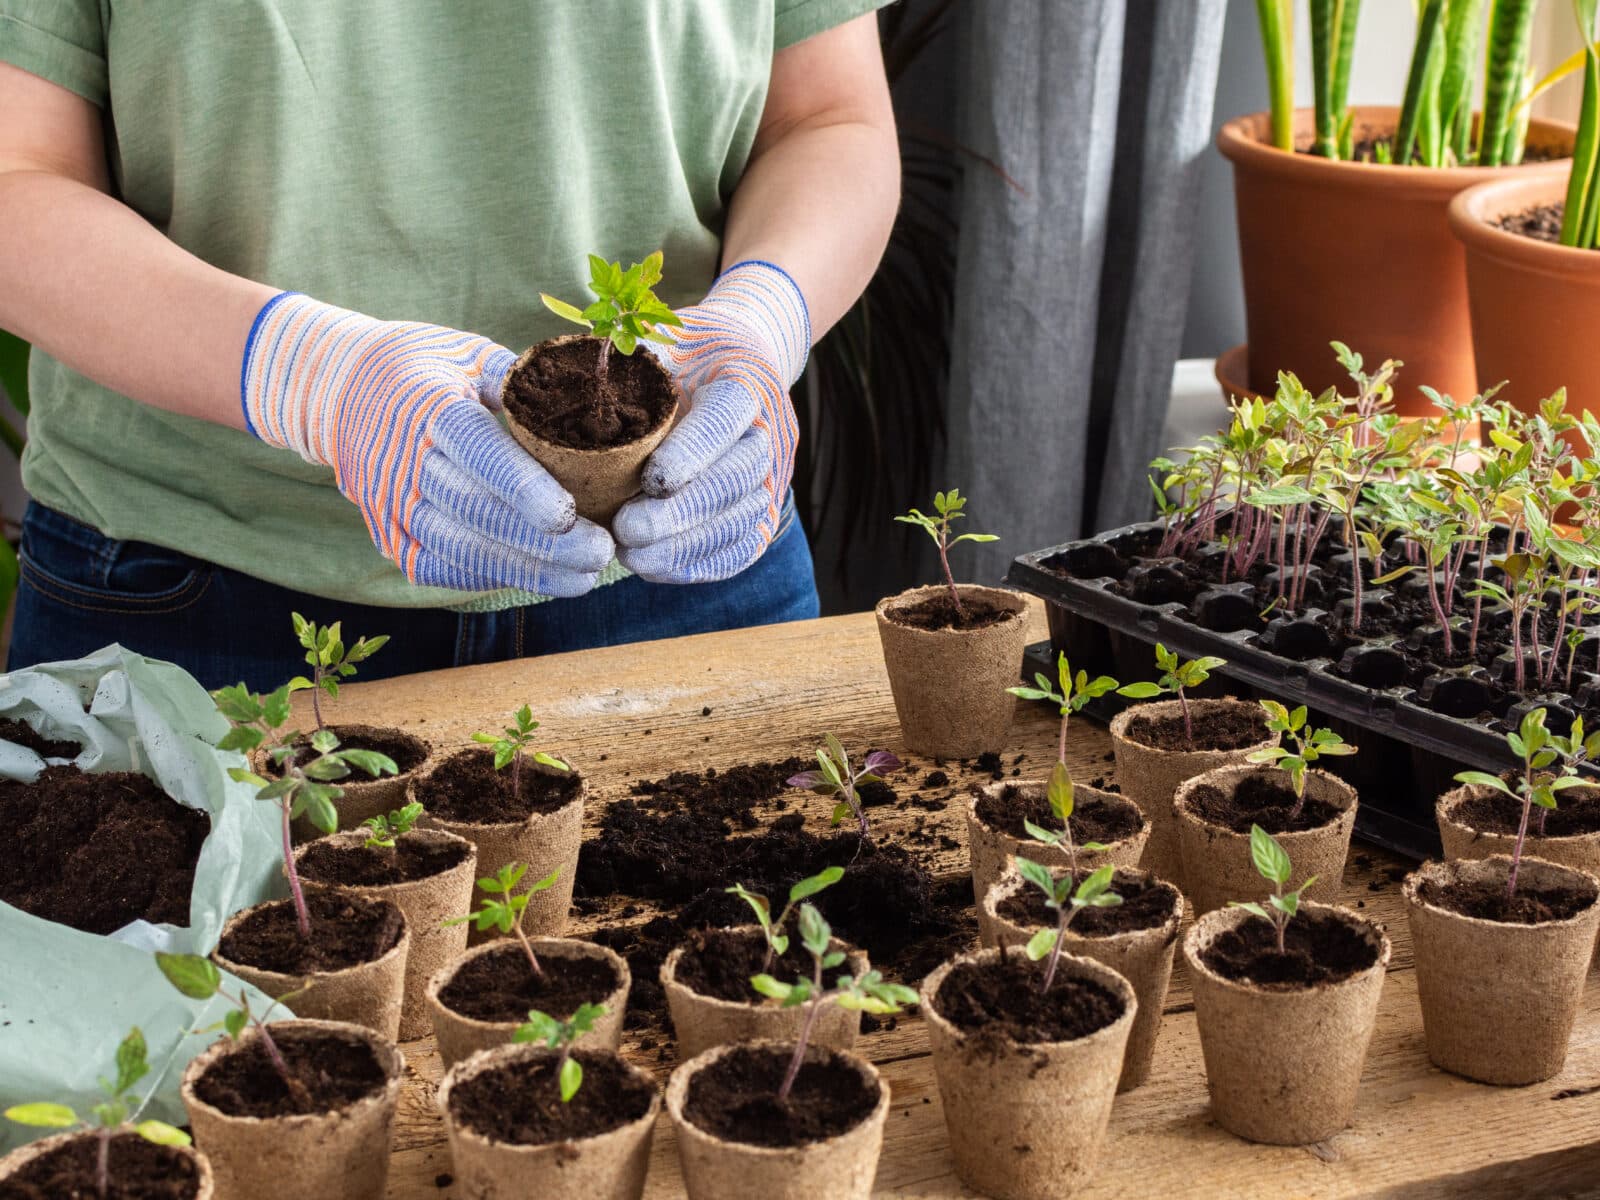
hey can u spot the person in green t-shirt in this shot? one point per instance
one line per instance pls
(275, 258)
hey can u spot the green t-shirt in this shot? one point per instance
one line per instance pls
(440, 162)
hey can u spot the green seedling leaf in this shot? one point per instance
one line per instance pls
(1269, 857)
(42, 1115)
(195, 976)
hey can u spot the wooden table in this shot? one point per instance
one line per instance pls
(637, 711)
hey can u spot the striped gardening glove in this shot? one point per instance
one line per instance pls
(713, 490)
(401, 412)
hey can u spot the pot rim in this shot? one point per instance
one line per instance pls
(14, 1160)
(1472, 210)
(1160, 708)
(1180, 799)
(592, 452)
(1016, 601)
(545, 945)
(1444, 812)
(668, 974)
(1080, 965)
(1221, 919)
(401, 946)
(430, 821)
(1011, 882)
(1411, 891)
(1115, 799)
(421, 833)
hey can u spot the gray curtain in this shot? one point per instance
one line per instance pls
(1073, 273)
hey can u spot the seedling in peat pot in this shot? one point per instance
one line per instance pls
(625, 311)
(503, 908)
(869, 993)
(511, 743)
(1309, 746)
(835, 778)
(1062, 795)
(386, 830)
(303, 788)
(559, 1035)
(1272, 863)
(1176, 677)
(1059, 894)
(772, 929)
(948, 505)
(114, 1113)
(1074, 696)
(329, 658)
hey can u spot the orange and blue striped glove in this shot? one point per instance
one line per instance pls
(714, 489)
(401, 412)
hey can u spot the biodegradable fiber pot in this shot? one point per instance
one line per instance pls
(427, 904)
(1141, 956)
(1462, 840)
(1026, 1121)
(991, 849)
(1217, 867)
(949, 685)
(700, 1022)
(606, 1166)
(343, 1153)
(600, 481)
(461, 1036)
(26, 1158)
(364, 796)
(1150, 777)
(1283, 1064)
(714, 1168)
(1499, 999)
(1303, 222)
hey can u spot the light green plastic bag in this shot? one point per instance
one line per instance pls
(68, 998)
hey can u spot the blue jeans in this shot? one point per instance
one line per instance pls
(81, 590)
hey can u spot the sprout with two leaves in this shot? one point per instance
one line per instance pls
(383, 831)
(948, 505)
(560, 1035)
(1068, 901)
(1309, 745)
(1074, 695)
(772, 927)
(1177, 677)
(1272, 863)
(512, 742)
(625, 310)
(1062, 795)
(329, 658)
(504, 907)
(835, 777)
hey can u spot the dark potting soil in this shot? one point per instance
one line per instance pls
(359, 866)
(938, 611)
(556, 395)
(520, 1102)
(98, 851)
(720, 962)
(23, 734)
(465, 787)
(1146, 904)
(346, 931)
(334, 1070)
(1541, 222)
(1001, 1001)
(1577, 812)
(1487, 899)
(1264, 798)
(1365, 150)
(500, 985)
(408, 751)
(736, 1097)
(137, 1170)
(1318, 948)
(1230, 728)
(1092, 820)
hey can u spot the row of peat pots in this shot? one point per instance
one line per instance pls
(1413, 264)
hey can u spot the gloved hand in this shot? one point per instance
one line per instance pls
(398, 410)
(713, 490)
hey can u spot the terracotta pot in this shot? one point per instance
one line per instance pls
(364, 796)
(1141, 956)
(1283, 1065)
(369, 994)
(427, 905)
(1533, 303)
(840, 1168)
(950, 685)
(344, 1153)
(991, 850)
(607, 1166)
(461, 1036)
(1150, 777)
(22, 1156)
(700, 1022)
(1312, 232)
(1461, 840)
(600, 481)
(1499, 1000)
(1217, 866)
(1026, 1122)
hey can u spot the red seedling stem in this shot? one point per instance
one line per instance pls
(302, 914)
(944, 562)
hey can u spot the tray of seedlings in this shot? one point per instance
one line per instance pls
(1419, 590)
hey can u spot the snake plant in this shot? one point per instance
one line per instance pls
(1580, 220)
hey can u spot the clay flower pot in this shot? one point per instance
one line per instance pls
(604, 1166)
(364, 796)
(1141, 956)
(1283, 1063)
(700, 1022)
(1054, 1097)
(15, 1166)
(427, 903)
(369, 994)
(991, 848)
(715, 1168)
(1217, 866)
(1303, 220)
(1463, 840)
(343, 1153)
(1499, 999)
(1150, 776)
(602, 480)
(949, 685)
(461, 1036)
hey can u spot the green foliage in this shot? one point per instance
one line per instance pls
(503, 906)
(1272, 864)
(1074, 692)
(1307, 746)
(560, 1035)
(772, 928)
(1276, 21)
(1061, 792)
(1094, 891)
(625, 310)
(835, 777)
(949, 507)
(386, 829)
(116, 1109)
(1580, 218)
(329, 658)
(514, 740)
(1176, 675)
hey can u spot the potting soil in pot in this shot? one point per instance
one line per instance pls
(1002, 1001)
(1264, 799)
(1228, 728)
(333, 1070)
(23, 734)
(98, 851)
(407, 751)
(501, 986)
(736, 1097)
(362, 866)
(138, 1170)
(1146, 904)
(938, 611)
(1542, 221)
(346, 931)
(557, 396)
(465, 787)
(520, 1102)
(1317, 949)
(1577, 812)
(1092, 820)
(1487, 900)
(720, 962)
